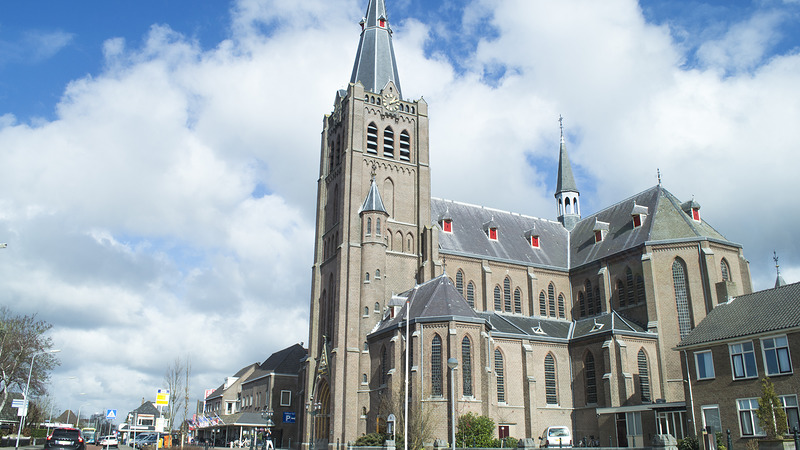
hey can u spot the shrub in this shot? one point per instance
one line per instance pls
(371, 440)
(688, 443)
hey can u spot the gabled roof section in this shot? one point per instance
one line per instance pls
(287, 360)
(469, 238)
(437, 298)
(375, 63)
(147, 408)
(606, 323)
(373, 202)
(538, 328)
(666, 222)
(745, 316)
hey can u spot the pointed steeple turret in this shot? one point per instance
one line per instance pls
(779, 280)
(569, 212)
(375, 62)
(373, 202)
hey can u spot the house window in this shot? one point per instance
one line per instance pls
(681, 297)
(748, 420)
(377, 307)
(405, 146)
(550, 387)
(591, 379)
(551, 299)
(644, 377)
(789, 403)
(704, 364)
(466, 372)
(366, 277)
(500, 376)
(436, 366)
(377, 274)
(542, 304)
(471, 294)
(743, 360)
(517, 301)
(372, 138)
(388, 142)
(507, 294)
(366, 311)
(535, 241)
(498, 302)
(447, 226)
(286, 398)
(776, 355)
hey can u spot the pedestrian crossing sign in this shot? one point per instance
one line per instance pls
(111, 414)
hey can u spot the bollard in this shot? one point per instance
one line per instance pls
(796, 438)
(610, 444)
(730, 444)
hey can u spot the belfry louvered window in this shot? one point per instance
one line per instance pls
(405, 146)
(507, 294)
(436, 366)
(550, 387)
(591, 379)
(499, 373)
(498, 300)
(542, 304)
(388, 142)
(681, 298)
(372, 138)
(644, 376)
(551, 299)
(466, 373)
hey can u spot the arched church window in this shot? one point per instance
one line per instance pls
(436, 366)
(598, 300)
(640, 296)
(471, 294)
(561, 312)
(466, 365)
(723, 266)
(372, 138)
(405, 145)
(681, 297)
(499, 373)
(366, 311)
(581, 304)
(644, 377)
(551, 298)
(498, 302)
(378, 226)
(589, 298)
(377, 274)
(630, 289)
(366, 277)
(567, 207)
(542, 304)
(591, 379)
(550, 385)
(507, 294)
(621, 293)
(388, 142)
(369, 226)
(377, 307)
(460, 281)
(517, 301)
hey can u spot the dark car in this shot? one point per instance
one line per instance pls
(65, 439)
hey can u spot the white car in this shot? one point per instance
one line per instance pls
(557, 437)
(108, 441)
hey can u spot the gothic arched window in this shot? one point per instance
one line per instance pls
(471, 294)
(591, 379)
(466, 366)
(581, 304)
(644, 376)
(372, 138)
(384, 369)
(542, 304)
(369, 226)
(550, 385)
(681, 297)
(388, 142)
(726, 271)
(405, 146)
(498, 302)
(551, 299)
(507, 294)
(640, 296)
(561, 312)
(517, 301)
(499, 373)
(436, 366)
(589, 298)
(621, 293)
(631, 292)
(460, 281)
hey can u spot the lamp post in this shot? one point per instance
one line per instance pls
(315, 409)
(452, 363)
(27, 387)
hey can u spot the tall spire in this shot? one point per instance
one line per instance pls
(779, 280)
(375, 62)
(569, 212)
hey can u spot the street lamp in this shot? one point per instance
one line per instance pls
(452, 363)
(27, 387)
(316, 407)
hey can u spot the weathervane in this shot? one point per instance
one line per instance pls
(658, 172)
(775, 258)
(561, 124)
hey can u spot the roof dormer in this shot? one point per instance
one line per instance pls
(600, 230)
(532, 236)
(490, 228)
(638, 214)
(446, 222)
(692, 208)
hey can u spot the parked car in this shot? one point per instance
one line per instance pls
(65, 439)
(149, 439)
(557, 436)
(108, 441)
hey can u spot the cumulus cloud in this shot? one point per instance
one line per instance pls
(168, 209)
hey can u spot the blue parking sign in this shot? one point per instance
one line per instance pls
(288, 417)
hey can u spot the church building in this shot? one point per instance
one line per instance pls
(543, 322)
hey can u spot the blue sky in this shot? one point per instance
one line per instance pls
(160, 157)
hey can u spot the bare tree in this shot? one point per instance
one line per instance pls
(22, 337)
(174, 380)
(188, 373)
(421, 421)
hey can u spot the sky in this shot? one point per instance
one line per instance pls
(159, 158)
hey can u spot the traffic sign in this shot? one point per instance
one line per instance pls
(162, 397)
(289, 417)
(19, 403)
(111, 414)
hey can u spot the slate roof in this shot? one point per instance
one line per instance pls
(373, 202)
(375, 63)
(469, 238)
(286, 361)
(537, 327)
(606, 323)
(565, 181)
(147, 408)
(748, 315)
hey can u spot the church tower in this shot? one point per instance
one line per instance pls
(373, 203)
(569, 211)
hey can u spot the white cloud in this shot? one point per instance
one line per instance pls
(131, 221)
